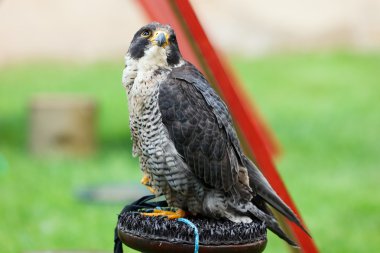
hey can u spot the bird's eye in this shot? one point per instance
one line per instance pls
(146, 33)
(173, 38)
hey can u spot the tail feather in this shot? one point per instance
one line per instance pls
(266, 192)
(271, 223)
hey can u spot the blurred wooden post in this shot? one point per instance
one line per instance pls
(62, 125)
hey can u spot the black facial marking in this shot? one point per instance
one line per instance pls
(139, 43)
(138, 47)
(174, 55)
(173, 38)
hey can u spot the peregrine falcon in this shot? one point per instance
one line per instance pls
(184, 137)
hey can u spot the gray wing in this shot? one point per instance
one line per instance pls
(200, 127)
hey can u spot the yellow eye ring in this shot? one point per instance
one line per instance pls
(146, 33)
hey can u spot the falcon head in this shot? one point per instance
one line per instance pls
(157, 43)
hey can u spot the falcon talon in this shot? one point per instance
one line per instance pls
(151, 190)
(186, 141)
(145, 180)
(165, 213)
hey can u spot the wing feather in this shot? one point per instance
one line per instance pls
(200, 126)
(212, 149)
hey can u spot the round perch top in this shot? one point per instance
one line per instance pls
(159, 234)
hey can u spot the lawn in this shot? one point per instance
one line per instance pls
(322, 107)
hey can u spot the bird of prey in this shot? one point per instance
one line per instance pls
(183, 134)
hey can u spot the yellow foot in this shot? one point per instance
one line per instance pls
(146, 181)
(179, 213)
(151, 190)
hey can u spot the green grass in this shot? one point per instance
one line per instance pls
(322, 107)
(39, 208)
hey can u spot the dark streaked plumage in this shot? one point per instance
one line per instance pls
(183, 133)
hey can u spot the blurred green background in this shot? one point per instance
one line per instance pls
(323, 107)
(322, 104)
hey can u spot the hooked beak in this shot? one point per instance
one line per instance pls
(160, 39)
